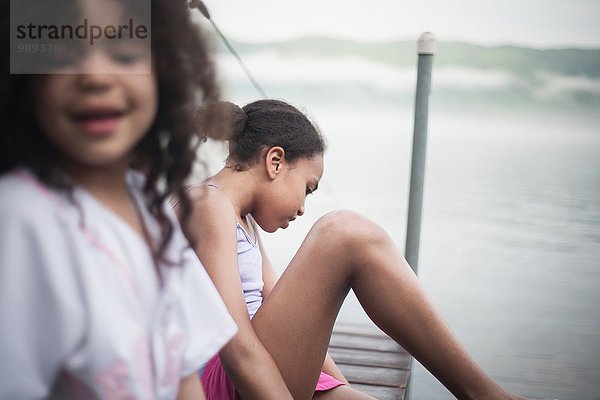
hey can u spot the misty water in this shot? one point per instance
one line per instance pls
(510, 241)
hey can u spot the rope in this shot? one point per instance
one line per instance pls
(198, 4)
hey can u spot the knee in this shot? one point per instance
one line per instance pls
(350, 230)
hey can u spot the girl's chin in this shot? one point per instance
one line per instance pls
(273, 228)
(268, 229)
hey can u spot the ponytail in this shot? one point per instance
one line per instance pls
(263, 124)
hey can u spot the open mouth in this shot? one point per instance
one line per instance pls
(98, 121)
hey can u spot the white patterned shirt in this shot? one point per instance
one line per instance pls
(82, 312)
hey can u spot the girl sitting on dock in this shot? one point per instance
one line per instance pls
(98, 285)
(280, 351)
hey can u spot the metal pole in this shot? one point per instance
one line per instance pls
(426, 49)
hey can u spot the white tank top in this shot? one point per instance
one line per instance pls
(250, 268)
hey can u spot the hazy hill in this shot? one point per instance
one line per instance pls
(582, 62)
(564, 80)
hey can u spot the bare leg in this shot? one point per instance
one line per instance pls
(346, 250)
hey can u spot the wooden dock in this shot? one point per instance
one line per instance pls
(371, 361)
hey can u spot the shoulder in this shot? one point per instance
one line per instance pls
(39, 227)
(204, 195)
(212, 215)
(211, 204)
(16, 187)
(37, 235)
(23, 199)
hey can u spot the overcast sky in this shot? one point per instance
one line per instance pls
(537, 23)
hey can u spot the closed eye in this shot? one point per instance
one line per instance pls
(310, 190)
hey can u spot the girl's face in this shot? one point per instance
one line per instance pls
(283, 200)
(96, 117)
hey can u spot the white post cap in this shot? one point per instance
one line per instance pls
(426, 43)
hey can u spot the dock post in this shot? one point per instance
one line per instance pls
(425, 51)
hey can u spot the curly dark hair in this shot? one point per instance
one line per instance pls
(262, 124)
(185, 74)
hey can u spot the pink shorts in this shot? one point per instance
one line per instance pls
(217, 385)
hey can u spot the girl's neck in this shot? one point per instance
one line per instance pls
(104, 183)
(108, 185)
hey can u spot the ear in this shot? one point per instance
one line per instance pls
(274, 160)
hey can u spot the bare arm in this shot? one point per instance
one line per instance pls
(190, 388)
(211, 231)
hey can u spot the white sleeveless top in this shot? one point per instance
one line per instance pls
(250, 268)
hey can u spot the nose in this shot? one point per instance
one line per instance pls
(94, 61)
(96, 72)
(301, 211)
(94, 82)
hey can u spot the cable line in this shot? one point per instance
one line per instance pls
(198, 4)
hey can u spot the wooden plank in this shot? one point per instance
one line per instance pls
(358, 329)
(380, 392)
(378, 343)
(375, 375)
(370, 358)
(372, 362)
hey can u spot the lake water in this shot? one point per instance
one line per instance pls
(510, 241)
